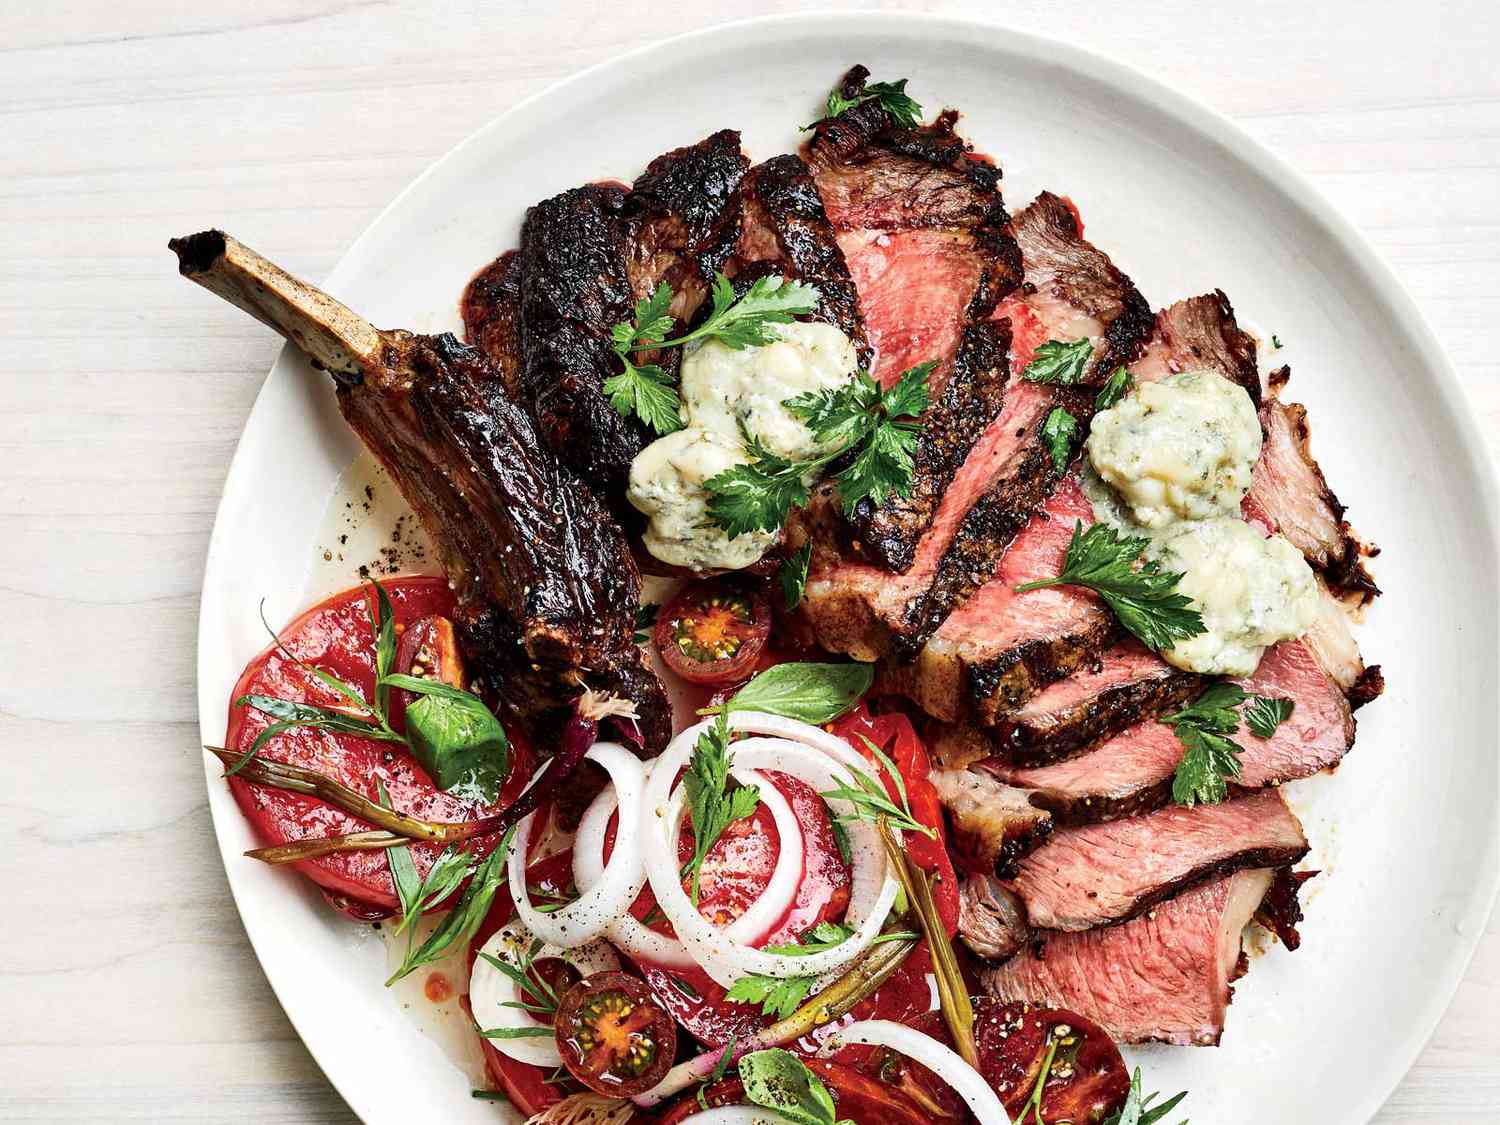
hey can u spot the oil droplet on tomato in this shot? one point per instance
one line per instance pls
(438, 988)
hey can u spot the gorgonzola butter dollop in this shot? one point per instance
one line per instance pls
(727, 393)
(666, 485)
(1181, 448)
(1251, 590)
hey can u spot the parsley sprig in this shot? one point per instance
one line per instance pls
(892, 96)
(1143, 597)
(1116, 387)
(1210, 757)
(792, 576)
(877, 426)
(645, 390)
(712, 805)
(1059, 432)
(1059, 362)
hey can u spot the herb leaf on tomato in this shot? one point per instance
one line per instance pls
(712, 805)
(780, 1081)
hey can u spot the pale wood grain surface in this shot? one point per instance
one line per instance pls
(127, 987)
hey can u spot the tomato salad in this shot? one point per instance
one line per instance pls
(754, 923)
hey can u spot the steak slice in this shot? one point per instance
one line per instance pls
(784, 230)
(991, 920)
(923, 228)
(585, 257)
(991, 825)
(1104, 874)
(861, 609)
(999, 648)
(1131, 772)
(1290, 488)
(1109, 693)
(1164, 976)
(491, 310)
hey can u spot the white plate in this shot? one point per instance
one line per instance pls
(1183, 201)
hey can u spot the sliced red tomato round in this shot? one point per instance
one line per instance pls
(1087, 1081)
(856, 1097)
(897, 738)
(336, 636)
(735, 872)
(713, 631)
(613, 1036)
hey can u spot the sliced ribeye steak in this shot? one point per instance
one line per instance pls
(1103, 874)
(1164, 976)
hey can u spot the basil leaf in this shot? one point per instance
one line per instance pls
(811, 693)
(460, 744)
(780, 1081)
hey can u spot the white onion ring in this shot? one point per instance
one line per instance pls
(967, 1082)
(773, 902)
(735, 1115)
(585, 919)
(724, 960)
(490, 990)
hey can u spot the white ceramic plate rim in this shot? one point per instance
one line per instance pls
(1211, 125)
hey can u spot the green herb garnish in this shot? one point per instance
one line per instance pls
(1275, 342)
(793, 576)
(645, 390)
(780, 1081)
(777, 996)
(1138, 1110)
(1116, 388)
(1059, 432)
(645, 621)
(876, 426)
(712, 805)
(872, 803)
(1210, 757)
(808, 692)
(461, 922)
(1144, 597)
(1060, 363)
(892, 96)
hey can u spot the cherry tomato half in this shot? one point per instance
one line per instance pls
(713, 631)
(613, 1037)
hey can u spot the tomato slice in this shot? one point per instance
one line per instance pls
(713, 631)
(856, 1097)
(735, 872)
(894, 734)
(335, 635)
(613, 1036)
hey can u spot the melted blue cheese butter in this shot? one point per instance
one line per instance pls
(1252, 591)
(1177, 456)
(1181, 448)
(727, 393)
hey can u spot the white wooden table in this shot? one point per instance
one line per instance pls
(127, 988)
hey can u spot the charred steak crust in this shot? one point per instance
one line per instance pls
(532, 551)
(684, 214)
(972, 394)
(491, 310)
(1027, 741)
(574, 285)
(782, 201)
(883, 178)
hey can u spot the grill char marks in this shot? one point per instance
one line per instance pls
(574, 285)
(1108, 694)
(585, 257)
(1164, 976)
(923, 228)
(543, 572)
(491, 310)
(998, 648)
(1071, 291)
(1104, 874)
(785, 230)
(1290, 487)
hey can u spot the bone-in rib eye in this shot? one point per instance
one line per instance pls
(547, 587)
